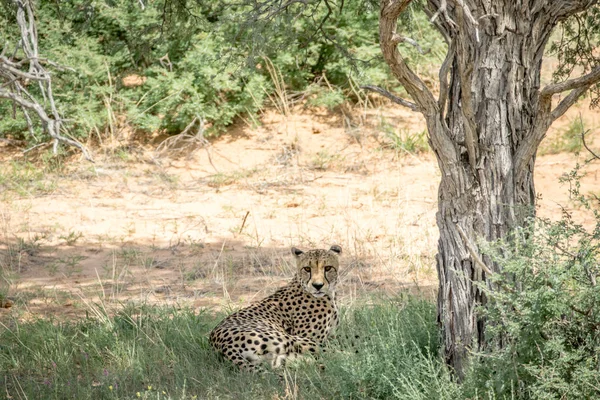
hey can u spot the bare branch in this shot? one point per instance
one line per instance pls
(439, 137)
(564, 9)
(544, 118)
(583, 133)
(16, 74)
(389, 39)
(186, 138)
(473, 251)
(49, 124)
(546, 115)
(412, 42)
(6, 66)
(443, 10)
(568, 101)
(392, 97)
(443, 76)
(586, 80)
(443, 26)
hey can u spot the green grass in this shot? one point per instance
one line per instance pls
(25, 179)
(403, 140)
(163, 353)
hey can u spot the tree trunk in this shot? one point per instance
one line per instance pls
(484, 129)
(481, 196)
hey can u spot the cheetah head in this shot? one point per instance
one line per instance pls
(318, 269)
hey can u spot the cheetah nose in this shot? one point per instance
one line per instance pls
(317, 286)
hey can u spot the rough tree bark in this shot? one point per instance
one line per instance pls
(484, 129)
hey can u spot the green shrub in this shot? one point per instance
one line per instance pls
(543, 315)
(205, 61)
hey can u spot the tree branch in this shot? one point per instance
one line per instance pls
(583, 133)
(444, 27)
(442, 9)
(564, 9)
(439, 138)
(392, 97)
(568, 101)
(443, 76)
(586, 80)
(414, 43)
(389, 39)
(546, 115)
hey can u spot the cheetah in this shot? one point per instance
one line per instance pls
(295, 319)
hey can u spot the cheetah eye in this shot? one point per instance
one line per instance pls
(328, 268)
(307, 269)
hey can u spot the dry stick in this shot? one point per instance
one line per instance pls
(244, 222)
(11, 71)
(583, 133)
(472, 251)
(392, 97)
(443, 10)
(48, 122)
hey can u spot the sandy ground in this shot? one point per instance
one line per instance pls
(212, 226)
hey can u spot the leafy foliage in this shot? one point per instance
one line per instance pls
(544, 312)
(161, 65)
(576, 46)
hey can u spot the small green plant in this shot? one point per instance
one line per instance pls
(68, 265)
(225, 179)
(31, 246)
(25, 179)
(149, 262)
(122, 153)
(54, 163)
(170, 180)
(328, 97)
(322, 161)
(568, 139)
(403, 140)
(71, 238)
(129, 255)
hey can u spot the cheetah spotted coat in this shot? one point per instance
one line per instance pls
(295, 319)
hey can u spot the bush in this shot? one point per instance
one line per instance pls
(205, 61)
(544, 320)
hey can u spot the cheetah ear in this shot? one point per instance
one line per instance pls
(296, 251)
(336, 249)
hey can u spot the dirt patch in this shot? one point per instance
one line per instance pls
(213, 227)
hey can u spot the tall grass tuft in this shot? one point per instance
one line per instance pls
(163, 353)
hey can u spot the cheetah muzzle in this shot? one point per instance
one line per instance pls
(295, 319)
